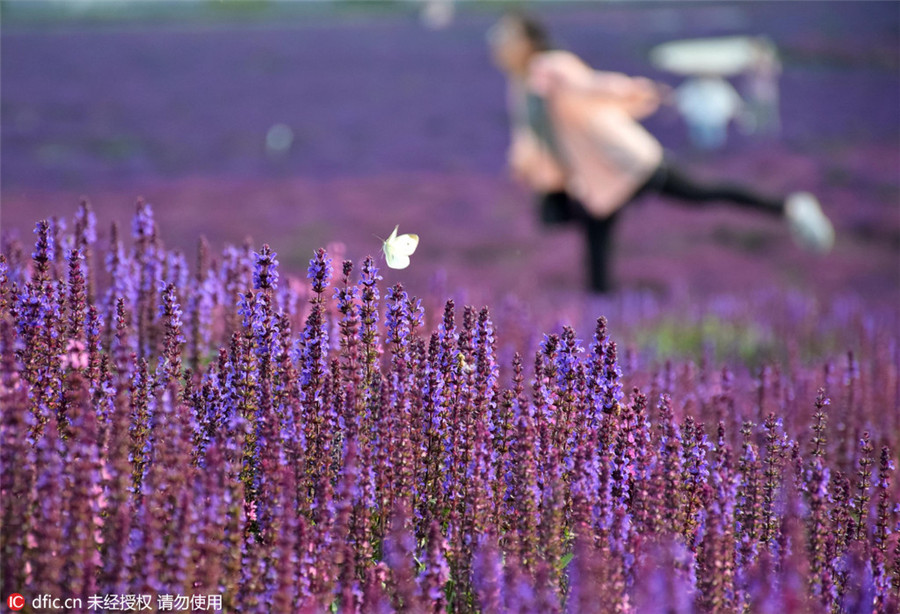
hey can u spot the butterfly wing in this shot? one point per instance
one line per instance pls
(387, 246)
(395, 260)
(406, 244)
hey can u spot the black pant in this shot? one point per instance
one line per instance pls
(560, 208)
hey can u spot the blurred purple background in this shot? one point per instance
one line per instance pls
(394, 123)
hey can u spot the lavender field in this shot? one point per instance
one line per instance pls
(211, 391)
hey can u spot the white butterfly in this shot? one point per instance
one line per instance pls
(397, 250)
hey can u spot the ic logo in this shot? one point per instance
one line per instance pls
(15, 601)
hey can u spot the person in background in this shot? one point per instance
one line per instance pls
(577, 142)
(761, 114)
(707, 103)
(437, 14)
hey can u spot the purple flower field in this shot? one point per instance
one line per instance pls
(186, 412)
(331, 445)
(395, 124)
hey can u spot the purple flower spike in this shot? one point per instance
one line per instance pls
(44, 247)
(265, 269)
(319, 271)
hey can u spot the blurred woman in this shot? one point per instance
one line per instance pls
(577, 142)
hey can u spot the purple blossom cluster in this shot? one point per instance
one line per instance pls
(307, 446)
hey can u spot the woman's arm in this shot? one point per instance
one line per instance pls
(638, 95)
(532, 165)
(557, 71)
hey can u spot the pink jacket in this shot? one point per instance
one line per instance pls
(606, 154)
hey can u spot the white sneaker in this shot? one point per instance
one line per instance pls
(809, 224)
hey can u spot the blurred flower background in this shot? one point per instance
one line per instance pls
(308, 123)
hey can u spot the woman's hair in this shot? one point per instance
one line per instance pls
(533, 30)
